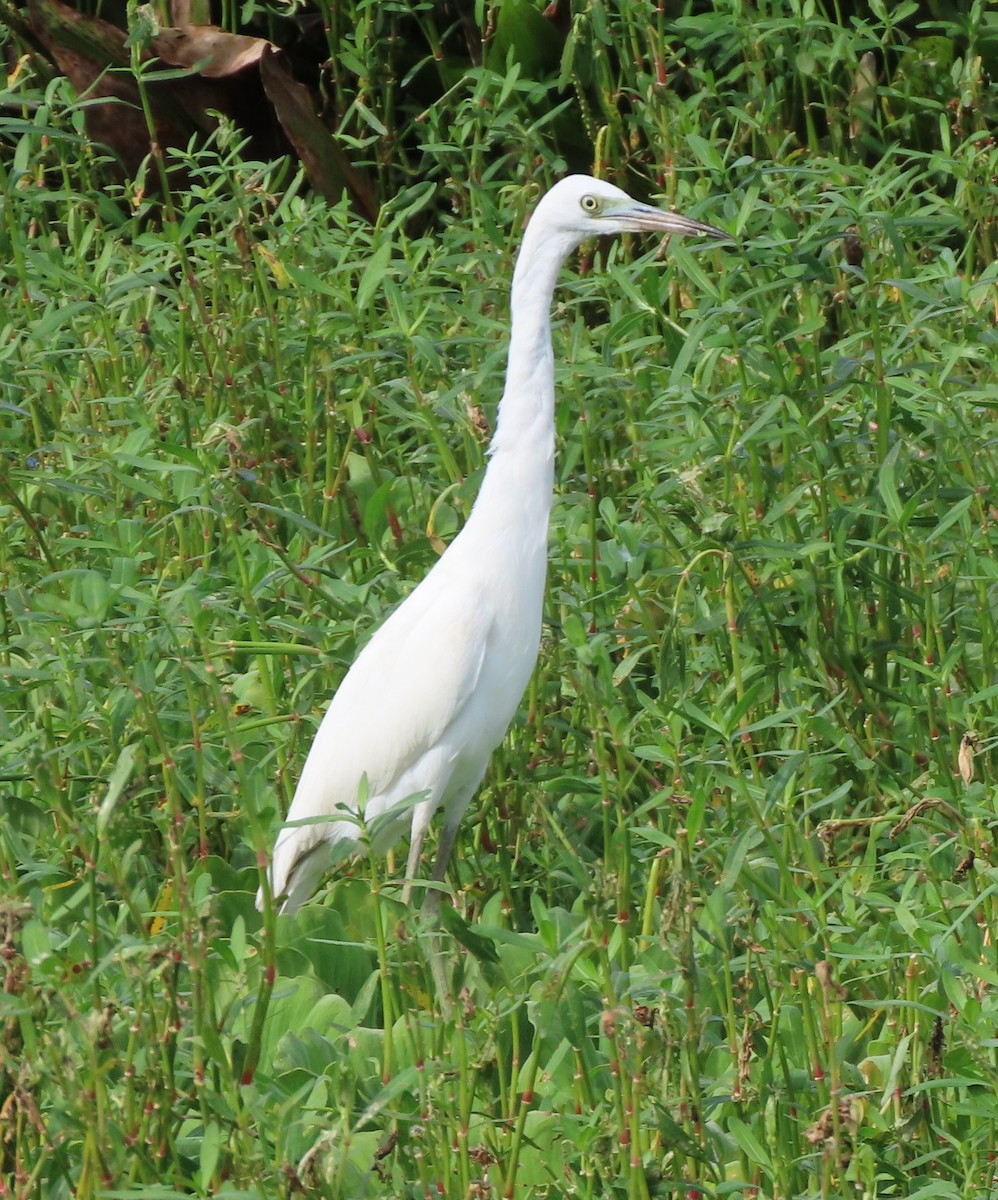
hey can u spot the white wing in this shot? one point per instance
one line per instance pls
(389, 722)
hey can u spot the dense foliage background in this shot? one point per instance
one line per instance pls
(723, 915)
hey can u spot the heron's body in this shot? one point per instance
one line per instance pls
(431, 695)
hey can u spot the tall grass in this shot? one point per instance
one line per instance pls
(723, 912)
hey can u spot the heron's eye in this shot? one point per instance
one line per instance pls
(590, 204)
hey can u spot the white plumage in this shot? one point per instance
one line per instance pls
(432, 693)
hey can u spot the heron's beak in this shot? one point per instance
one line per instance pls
(643, 218)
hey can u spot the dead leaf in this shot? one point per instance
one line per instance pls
(965, 758)
(86, 49)
(916, 810)
(208, 50)
(328, 168)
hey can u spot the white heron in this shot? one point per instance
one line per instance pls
(415, 720)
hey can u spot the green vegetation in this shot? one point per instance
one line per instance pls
(724, 912)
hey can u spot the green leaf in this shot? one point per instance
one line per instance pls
(481, 947)
(117, 781)
(749, 1144)
(374, 271)
(887, 484)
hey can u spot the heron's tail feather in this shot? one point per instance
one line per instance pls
(302, 856)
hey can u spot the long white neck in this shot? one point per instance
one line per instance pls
(525, 421)
(514, 503)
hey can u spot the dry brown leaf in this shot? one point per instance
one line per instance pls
(916, 810)
(329, 170)
(208, 50)
(965, 758)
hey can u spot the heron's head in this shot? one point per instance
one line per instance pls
(584, 207)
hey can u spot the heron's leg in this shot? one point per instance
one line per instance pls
(422, 815)
(448, 835)
(431, 904)
(430, 914)
(412, 863)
